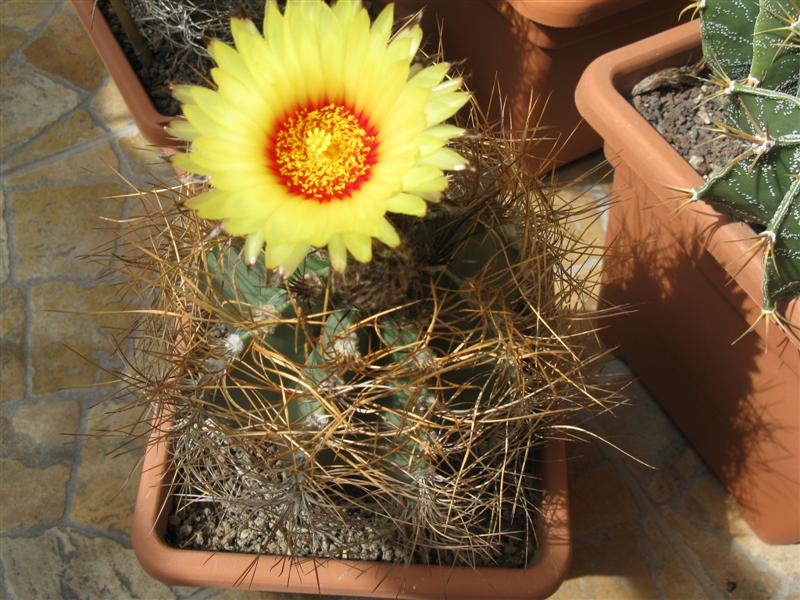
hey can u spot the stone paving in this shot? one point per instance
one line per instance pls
(65, 504)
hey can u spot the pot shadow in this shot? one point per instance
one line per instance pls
(666, 278)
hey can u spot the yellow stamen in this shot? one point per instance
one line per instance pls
(323, 153)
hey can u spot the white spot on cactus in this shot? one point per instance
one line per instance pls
(769, 236)
(330, 383)
(233, 345)
(214, 365)
(424, 358)
(424, 402)
(266, 316)
(345, 347)
(730, 89)
(752, 81)
(316, 421)
(763, 144)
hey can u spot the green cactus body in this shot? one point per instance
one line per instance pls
(753, 48)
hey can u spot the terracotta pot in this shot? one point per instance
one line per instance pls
(538, 49)
(693, 295)
(350, 578)
(150, 122)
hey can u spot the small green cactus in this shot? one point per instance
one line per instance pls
(753, 50)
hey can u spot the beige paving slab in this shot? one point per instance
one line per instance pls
(48, 422)
(65, 563)
(108, 475)
(108, 104)
(74, 129)
(97, 162)
(10, 41)
(57, 225)
(30, 495)
(12, 348)
(5, 266)
(25, 15)
(67, 335)
(29, 102)
(63, 49)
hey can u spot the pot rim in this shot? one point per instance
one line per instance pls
(348, 577)
(601, 98)
(150, 122)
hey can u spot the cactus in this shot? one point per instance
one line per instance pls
(753, 50)
(413, 390)
(413, 383)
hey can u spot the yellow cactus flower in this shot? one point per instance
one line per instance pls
(316, 130)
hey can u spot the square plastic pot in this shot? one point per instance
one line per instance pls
(349, 577)
(693, 293)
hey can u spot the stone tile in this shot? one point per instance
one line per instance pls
(97, 162)
(599, 499)
(5, 264)
(709, 503)
(671, 478)
(64, 49)
(65, 563)
(51, 422)
(678, 584)
(10, 41)
(64, 342)
(673, 576)
(24, 14)
(110, 107)
(107, 478)
(725, 562)
(29, 101)
(613, 567)
(12, 349)
(23, 500)
(56, 225)
(76, 128)
(640, 428)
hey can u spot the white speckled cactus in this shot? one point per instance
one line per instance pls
(753, 50)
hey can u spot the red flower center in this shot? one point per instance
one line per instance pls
(323, 152)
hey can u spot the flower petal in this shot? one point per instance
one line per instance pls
(407, 204)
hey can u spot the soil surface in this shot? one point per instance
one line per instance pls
(677, 111)
(210, 526)
(245, 522)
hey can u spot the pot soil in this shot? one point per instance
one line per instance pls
(695, 293)
(682, 113)
(363, 578)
